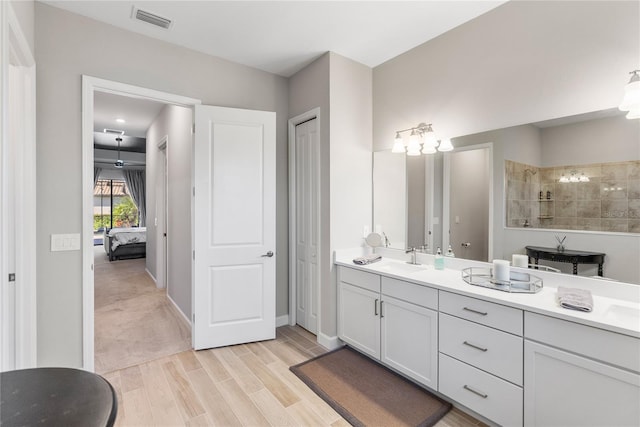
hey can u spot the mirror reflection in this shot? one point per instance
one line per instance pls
(579, 173)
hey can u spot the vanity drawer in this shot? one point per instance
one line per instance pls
(493, 351)
(609, 347)
(410, 292)
(359, 278)
(497, 316)
(490, 396)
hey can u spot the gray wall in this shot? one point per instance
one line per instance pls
(522, 62)
(24, 10)
(174, 122)
(611, 139)
(341, 88)
(350, 87)
(68, 46)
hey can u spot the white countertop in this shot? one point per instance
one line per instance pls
(616, 306)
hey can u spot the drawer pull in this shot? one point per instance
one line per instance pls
(482, 395)
(475, 346)
(482, 313)
(375, 307)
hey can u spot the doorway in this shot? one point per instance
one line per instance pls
(91, 86)
(468, 202)
(304, 187)
(18, 321)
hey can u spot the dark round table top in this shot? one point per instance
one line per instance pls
(56, 397)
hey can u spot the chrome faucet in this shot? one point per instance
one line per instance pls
(386, 240)
(413, 256)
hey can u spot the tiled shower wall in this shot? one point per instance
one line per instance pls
(610, 201)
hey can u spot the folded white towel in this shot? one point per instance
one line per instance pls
(367, 259)
(575, 299)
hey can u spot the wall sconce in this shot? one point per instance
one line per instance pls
(574, 177)
(631, 100)
(422, 136)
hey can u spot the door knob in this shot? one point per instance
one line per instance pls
(267, 255)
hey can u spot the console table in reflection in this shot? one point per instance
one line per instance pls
(569, 256)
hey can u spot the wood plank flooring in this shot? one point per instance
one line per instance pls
(243, 385)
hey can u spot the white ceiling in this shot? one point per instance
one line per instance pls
(137, 113)
(282, 37)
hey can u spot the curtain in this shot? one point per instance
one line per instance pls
(96, 174)
(135, 180)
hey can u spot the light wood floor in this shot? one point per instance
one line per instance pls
(243, 385)
(134, 321)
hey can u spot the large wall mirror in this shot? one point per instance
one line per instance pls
(421, 201)
(436, 201)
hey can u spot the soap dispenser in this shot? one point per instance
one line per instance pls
(450, 252)
(439, 260)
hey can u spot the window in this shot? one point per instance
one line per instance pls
(112, 206)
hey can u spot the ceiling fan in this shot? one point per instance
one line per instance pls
(119, 164)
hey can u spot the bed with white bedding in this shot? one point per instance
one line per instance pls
(122, 243)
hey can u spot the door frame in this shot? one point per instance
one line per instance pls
(446, 195)
(89, 86)
(293, 122)
(162, 281)
(14, 45)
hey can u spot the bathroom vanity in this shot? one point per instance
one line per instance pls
(514, 359)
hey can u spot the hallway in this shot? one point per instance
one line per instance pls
(134, 321)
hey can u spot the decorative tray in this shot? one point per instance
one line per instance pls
(519, 282)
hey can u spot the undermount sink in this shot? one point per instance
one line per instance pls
(401, 267)
(623, 313)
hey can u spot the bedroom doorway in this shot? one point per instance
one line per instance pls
(129, 318)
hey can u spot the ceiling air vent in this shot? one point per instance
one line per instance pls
(151, 18)
(114, 131)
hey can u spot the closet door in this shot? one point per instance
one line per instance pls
(307, 198)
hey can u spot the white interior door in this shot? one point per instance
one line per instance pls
(307, 195)
(234, 226)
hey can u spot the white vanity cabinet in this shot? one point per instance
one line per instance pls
(409, 330)
(512, 365)
(359, 310)
(576, 375)
(391, 320)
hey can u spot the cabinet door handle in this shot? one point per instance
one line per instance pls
(482, 395)
(481, 313)
(475, 346)
(375, 307)
(381, 314)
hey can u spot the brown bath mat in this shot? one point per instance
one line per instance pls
(366, 393)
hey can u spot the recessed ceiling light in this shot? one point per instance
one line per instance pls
(120, 120)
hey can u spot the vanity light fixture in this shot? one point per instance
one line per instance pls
(398, 145)
(631, 100)
(574, 177)
(422, 136)
(413, 149)
(445, 145)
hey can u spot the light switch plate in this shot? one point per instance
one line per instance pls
(65, 242)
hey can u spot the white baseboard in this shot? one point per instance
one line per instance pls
(328, 342)
(151, 275)
(282, 320)
(186, 319)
